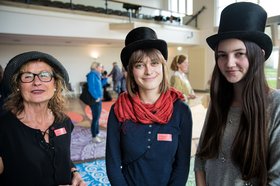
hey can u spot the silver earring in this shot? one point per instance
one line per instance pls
(54, 89)
(17, 89)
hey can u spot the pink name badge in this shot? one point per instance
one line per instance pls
(164, 137)
(59, 132)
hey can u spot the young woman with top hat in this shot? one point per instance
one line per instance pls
(149, 127)
(240, 141)
(35, 134)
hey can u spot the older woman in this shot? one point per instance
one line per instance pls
(35, 134)
(149, 127)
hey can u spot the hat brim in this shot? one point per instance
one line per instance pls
(159, 44)
(16, 63)
(259, 38)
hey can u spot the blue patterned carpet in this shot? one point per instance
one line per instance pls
(94, 173)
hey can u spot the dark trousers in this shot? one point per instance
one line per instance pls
(96, 109)
(117, 86)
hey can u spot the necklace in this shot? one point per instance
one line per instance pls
(45, 132)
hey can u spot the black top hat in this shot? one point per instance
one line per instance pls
(245, 21)
(16, 62)
(142, 38)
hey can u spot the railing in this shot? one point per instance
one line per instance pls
(114, 7)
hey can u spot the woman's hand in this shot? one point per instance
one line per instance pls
(191, 96)
(77, 180)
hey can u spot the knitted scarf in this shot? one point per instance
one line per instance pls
(131, 108)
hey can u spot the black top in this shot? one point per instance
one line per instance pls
(150, 155)
(28, 159)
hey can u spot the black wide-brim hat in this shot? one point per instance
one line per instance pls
(142, 38)
(16, 63)
(244, 21)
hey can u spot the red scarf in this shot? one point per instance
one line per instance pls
(131, 108)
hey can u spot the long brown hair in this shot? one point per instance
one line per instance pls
(252, 131)
(132, 87)
(14, 101)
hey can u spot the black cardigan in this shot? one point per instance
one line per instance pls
(28, 159)
(155, 154)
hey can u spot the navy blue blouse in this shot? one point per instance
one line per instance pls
(155, 154)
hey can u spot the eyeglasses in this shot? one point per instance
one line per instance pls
(27, 77)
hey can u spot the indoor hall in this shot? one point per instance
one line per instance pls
(80, 32)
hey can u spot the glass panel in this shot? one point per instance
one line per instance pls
(173, 5)
(271, 6)
(271, 68)
(278, 36)
(189, 7)
(182, 6)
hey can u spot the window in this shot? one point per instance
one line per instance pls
(271, 7)
(181, 6)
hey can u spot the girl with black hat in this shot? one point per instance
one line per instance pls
(240, 140)
(149, 127)
(35, 133)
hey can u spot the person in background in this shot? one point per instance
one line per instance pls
(239, 144)
(149, 127)
(35, 133)
(179, 80)
(123, 80)
(116, 75)
(96, 90)
(106, 94)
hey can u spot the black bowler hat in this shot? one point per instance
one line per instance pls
(16, 63)
(245, 21)
(142, 38)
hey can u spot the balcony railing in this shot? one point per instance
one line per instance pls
(114, 7)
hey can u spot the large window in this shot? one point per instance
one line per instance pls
(271, 7)
(181, 6)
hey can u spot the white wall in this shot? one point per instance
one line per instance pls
(76, 60)
(206, 25)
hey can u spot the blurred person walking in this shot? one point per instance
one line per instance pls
(116, 75)
(96, 90)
